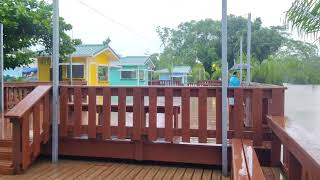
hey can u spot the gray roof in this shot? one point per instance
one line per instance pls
(87, 50)
(132, 61)
(177, 69)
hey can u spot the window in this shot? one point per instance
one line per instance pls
(103, 74)
(141, 75)
(128, 75)
(77, 71)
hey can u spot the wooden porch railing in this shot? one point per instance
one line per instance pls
(97, 123)
(31, 122)
(165, 83)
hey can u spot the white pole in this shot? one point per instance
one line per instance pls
(1, 70)
(249, 50)
(224, 89)
(55, 88)
(138, 79)
(241, 39)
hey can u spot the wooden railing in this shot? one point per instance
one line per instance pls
(165, 83)
(297, 162)
(31, 122)
(14, 92)
(97, 123)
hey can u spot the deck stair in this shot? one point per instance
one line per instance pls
(6, 165)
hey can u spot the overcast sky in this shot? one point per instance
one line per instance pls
(131, 24)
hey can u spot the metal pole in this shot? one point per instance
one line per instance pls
(70, 68)
(55, 74)
(224, 88)
(1, 70)
(249, 50)
(241, 39)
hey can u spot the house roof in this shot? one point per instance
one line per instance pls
(133, 61)
(87, 50)
(177, 69)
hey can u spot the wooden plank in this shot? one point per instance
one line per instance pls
(121, 113)
(63, 111)
(294, 168)
(188, 173)
(134, 173)
(137, 113)
(179, 173)
(253, 165)
(239, 168)
(197, 175)
(168, 114)
(257, 116)
(46, 118)
(92, 113)
(106, 113)
(152, 130)
(26, 160)
(218, 116)
(36, 131)
(77, 111)
(202, 109)
(16, 146)
(185, 114)
(238, 111)
(207, 174)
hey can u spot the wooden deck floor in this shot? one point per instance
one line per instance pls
(79, 169)
(76, 169)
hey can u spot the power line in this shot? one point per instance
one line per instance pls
(129, 29)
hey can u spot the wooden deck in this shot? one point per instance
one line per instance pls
(76, 169)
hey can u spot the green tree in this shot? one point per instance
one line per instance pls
(201, 40)
(28, 24)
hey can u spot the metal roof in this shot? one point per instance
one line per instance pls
(87, 50)
(132, 61)
(177, 69)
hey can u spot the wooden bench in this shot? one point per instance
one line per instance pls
(245, 163)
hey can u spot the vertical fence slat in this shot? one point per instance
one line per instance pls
(106, 132)
(46, 118)
(168, 114)
(137, 113)
(185, 115)
(36, 130)
(92, 111)
(238, 113)
(26, 159)
(63, 111)
(152, 131)
(77, 111)
(218, 116)
(121, 113)
(257, 115)
(16, 143)
(202, 109)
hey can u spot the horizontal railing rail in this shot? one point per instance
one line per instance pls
(31, 126)
(165, 83)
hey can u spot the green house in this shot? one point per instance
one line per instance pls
(131, 71)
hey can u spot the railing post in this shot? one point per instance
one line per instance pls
(16, 146)
(276, 109)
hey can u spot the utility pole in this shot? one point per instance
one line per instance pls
(249, 50)
(55, 86)
(224, 88)
(241, 39)
(1, 70)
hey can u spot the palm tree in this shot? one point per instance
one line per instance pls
(304, 15)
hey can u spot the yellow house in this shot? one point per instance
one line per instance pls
(90, 63)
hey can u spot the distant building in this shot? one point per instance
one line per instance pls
(90, 63)
(131, 71)
(180, 73)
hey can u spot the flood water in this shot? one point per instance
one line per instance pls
(302, 107)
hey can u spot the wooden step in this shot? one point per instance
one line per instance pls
(5, 143)
(6, 167)
(6, 153)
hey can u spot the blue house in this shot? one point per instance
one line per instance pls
(180, 73)
(131, 71)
